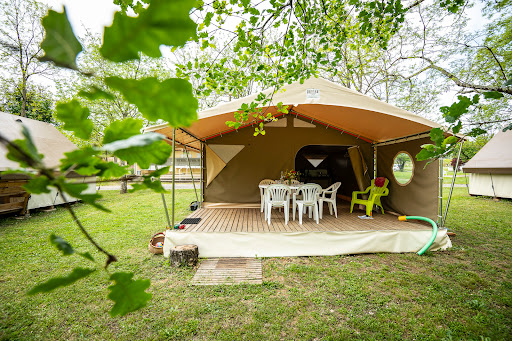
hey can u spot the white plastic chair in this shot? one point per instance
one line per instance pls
(310, 193)
(328, 195)
(262, 191)
(277, 196)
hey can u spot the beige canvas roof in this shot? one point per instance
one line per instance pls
(49, 141)
(319, 100)
(495, 157)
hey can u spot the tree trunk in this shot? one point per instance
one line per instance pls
(24, 99)
(124, 185)
(184, 255)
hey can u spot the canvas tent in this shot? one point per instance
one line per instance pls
(490, 170)
(50, 142)
(324, 120)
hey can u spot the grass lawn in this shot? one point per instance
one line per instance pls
(461, 294)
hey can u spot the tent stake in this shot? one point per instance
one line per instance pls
(453, 184)
(173, 173)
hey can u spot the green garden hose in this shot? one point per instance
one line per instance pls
(434, 230)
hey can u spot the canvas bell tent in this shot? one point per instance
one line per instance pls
(324, 120)
(51, 143)
(329, 134)
(490, 170)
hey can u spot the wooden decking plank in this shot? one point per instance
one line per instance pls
(214, 220)
(236, 220)
(204, 213)
(224, 225)
(245, 223)
(252, 220)
(204, 221)
(217, 224)
(227, 271)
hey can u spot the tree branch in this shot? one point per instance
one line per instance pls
(461, 83)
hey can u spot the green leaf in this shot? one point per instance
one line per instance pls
(110, 170)
(128, 295)
(54, 283)
(509, 80)
(27, 145)
(171, 100)
(144, 149)
(151, 181)
(457, 109)
(96, 93)
(450, 140)
(61, 245)
(87, 170)
(162, 23)
(87, 255)
(456, 128)
(83, 161)
(76, 190)
(75, 118)
(493, 95)
(38, 185)
(437, 135)
(60, 44)
(476, 132)
(509, 127)
(425, 154)
(121, 130)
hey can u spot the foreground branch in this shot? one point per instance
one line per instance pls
(50, 175)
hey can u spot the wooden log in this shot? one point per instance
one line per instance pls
(184, 255)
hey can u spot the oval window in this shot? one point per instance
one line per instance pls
(403, 168)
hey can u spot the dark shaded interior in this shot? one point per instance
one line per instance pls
(335, 167)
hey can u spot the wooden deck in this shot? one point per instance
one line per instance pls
(252, 220)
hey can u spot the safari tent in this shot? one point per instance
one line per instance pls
(52, 144)
(490, 170)
(330, 133)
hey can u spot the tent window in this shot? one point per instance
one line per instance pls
(403, 168)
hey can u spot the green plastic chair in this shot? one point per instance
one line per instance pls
(374, 195)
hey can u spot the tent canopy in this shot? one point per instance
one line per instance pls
(49, 141)
(317, 99)
(495, 157)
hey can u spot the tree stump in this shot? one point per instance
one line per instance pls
(124, 185)
(184, 255)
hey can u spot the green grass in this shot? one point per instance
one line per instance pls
(461, 294)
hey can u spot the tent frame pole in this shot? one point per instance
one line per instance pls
(440, 193)
(191, 174)
(453, 184)
(202, 173)
(173, 173)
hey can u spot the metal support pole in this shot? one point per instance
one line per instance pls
(374, 162)
(191, 174)
(166, 213)
(440, 194)
(453, 183)
(173, 173)
(165, 208)
(202, 173)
